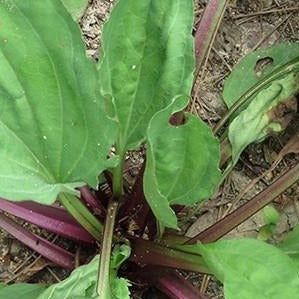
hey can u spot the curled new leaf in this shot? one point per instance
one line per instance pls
(270, 111)
(182, 162)
(269, 87)
(54, 134)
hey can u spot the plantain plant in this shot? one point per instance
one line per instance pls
(62, 112)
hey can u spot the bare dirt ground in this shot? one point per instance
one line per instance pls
(247, 25)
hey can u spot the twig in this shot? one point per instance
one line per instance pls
(265, 12)
(270, 32)
(222, 59)
(24, 270)
(53, 274)
(205, 283)
(225, 225)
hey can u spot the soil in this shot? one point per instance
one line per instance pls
(247, 25)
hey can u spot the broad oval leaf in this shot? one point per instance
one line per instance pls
(147, 60)
(80, 284)
(21, 290)
(291, 245)
(54, 134)
(182, 162)
(250, 268)
(255, 67)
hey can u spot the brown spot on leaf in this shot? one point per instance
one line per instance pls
(284, 112)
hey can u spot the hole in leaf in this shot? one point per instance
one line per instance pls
(177, 119)
(37, 242)
(261, 64)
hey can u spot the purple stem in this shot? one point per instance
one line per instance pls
(175, 286)
(151, 253)
(207, 29)
(42, 246)
(232, 220)
(91, 200)
(51, 218)
(168, 281)
(136, 196)
(136, 203)
(108, 177)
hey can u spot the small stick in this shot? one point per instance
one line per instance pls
(265, 12)
(225, 225)
(270, 32)
(53, 274)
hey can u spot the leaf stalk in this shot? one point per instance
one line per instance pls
(225, 225)
(151, 253)
(117, 183)
(78, 210)
(177, 287)
(54, 219)
(103, 287)
(42, 246)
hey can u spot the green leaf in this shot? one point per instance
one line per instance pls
(291, 245)
(271, 218)
(75, 7)
(147, 60)
(118, 285)
(257, 66)
(54, 134)
(182, 162)
(82, 282)
(21, 290)
(250, 269)
(119, 254)
(120, 288)
(265, 113)
(266, 94)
